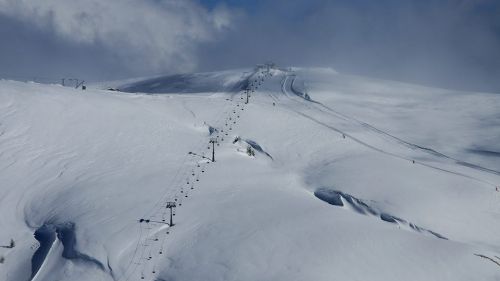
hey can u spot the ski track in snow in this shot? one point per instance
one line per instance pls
(304, 103)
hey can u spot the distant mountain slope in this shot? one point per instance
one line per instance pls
(205, 82)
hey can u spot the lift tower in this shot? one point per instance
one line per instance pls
(171, 205)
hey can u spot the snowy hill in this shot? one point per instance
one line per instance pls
(321, 176)
(207, 82)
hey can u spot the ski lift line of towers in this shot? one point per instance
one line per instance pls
(73, 81)
(252, 87)
(213, 159)
(170, 206)
(65, 82)
(149, 268)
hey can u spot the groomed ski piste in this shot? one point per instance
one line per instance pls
(317, 176)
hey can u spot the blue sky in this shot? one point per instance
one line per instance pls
(452, 44)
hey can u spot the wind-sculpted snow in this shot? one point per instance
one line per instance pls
(65, 233)
(338, 198)
(243, 144)
(257, 147)
(46, 237)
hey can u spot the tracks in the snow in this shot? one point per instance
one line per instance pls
(345, 121)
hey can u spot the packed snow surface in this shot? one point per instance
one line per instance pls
(321, 176)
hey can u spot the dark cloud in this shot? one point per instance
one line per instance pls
(30, 53)
(446, 43)
(452, 44)
(109, 38)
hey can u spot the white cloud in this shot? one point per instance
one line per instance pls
(149, 35)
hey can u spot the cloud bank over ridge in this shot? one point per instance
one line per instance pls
(452, 44)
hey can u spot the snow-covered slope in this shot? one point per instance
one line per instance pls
(320, 176)
(206, 82)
